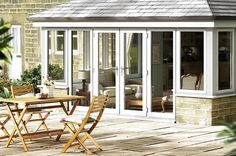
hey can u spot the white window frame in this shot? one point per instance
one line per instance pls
(65, 54)
(232, 65)
(184, 92)
(16, 41)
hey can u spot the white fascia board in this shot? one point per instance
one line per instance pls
(225, 24)
(197, 24)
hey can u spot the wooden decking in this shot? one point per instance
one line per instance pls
(121, 136)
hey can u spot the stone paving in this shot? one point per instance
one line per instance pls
(121, 136)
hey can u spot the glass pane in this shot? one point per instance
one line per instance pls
(133, 71)
(224, 54)
(60, 41)
(81, 65)
(162, 71)
(75, 41)
(192, 60)
(56, 59)
(107, 64)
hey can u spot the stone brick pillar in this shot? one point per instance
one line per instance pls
(205, 111)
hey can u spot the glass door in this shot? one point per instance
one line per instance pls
(107, 43)
(132, 90)
(161, 74)
(81, 49)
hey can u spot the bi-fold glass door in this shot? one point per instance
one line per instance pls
(161, 78)
(137, 77)
(106, 67)
(133, 72)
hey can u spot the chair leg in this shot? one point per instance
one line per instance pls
(94, 142)
(43, 123)
(59, 135)
(72, 139)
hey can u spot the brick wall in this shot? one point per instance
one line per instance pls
(16, 13)
(203, 111)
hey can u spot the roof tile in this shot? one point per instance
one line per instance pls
(139, 8)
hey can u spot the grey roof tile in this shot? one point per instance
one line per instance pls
(138, 8)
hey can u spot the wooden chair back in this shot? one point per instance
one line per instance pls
(95, 111)
(21, 90)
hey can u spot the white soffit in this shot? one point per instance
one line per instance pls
(225, 24)
(210, 24)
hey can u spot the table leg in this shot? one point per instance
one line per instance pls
(74, 106)
(16, 127)
(63, 107)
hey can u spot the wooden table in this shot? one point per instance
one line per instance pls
(28, 105)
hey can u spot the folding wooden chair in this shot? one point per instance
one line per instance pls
(85, 125)
(5, 118)
(28, 91)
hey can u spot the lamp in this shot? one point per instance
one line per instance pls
(83, 75)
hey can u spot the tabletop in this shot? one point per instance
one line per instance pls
(34, 100)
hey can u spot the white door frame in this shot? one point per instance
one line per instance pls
(123, 111)
(96, 66)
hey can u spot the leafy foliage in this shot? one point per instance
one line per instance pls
(31, 76)
(55, 72)
(5, 48)
(230, 132)
(5, 93)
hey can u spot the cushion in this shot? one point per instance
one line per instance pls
(111, 91)
(107, 77)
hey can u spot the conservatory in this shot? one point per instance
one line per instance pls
(171, 60)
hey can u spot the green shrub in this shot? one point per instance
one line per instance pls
(230, 132)
(31, 76)
(5, 93)
(55, 72)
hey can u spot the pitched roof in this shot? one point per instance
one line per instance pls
(75, 10)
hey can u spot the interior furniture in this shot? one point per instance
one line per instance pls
(134, 104)
(192, 81)
(86, 94)
(107, 86)
(189, 81)
(28, 91)
(85, 125)
(29, 105)
(84, 75)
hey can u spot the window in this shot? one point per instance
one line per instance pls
(60, 42)
(75, 42)
(107, 46)
(81, 52)
(224, 59)
(56, 58)
(133, 54)
(16, 41)
(80, 59)
(192, 60)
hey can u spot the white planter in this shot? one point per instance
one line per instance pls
(49, 90)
